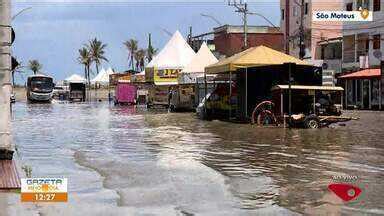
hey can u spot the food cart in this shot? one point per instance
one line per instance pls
(182, 97)
(310, 107)
(125, 93)
(77, 91)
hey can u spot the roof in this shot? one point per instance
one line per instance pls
(39, 75)
(366, 73)
(305, 87)
(75, 78)
(253, 57)
(203, 58)
(175, 55)
(9, 178)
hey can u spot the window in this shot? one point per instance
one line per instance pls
(306, 8)
(376, 41)
(282, 14)
(295, 12)
(362, 4)
(376, 5)
(349, 7)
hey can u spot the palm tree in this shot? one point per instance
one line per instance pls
(97, 51)
(151, 51)
(139, 58)
(85, 58)
(34, 66)
(132, 46)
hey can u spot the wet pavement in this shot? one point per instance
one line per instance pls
(131, 161)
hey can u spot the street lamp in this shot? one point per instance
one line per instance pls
(213, 18)
(265, 18)
(14, 16)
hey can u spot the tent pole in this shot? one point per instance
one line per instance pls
(230, 94)
(289, 94)
(205, 94)
(282, 106)
(380, 94)
(246, 92)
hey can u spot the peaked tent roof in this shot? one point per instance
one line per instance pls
(175, 55)
(253, 57)
(103, 76)
(75, 78)
(202, 59)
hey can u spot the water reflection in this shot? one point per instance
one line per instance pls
(154, 161)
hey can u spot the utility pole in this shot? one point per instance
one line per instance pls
(242, 7)
(190, 36)
(301, 31)
(287, 25)
(6, 150)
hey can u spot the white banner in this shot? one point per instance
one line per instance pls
(342, 16)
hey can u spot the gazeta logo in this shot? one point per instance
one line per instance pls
(44, 185)
(44, 189)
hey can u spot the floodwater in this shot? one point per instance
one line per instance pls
(131, 161)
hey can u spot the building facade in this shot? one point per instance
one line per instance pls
(293, 12)
(362, 41)
(229, 39)
(5, 85)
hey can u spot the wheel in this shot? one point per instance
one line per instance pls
(311, 122)
(266, 118)
(263, 114)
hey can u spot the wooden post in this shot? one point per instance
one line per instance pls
(362, 93)
(246, 92)
(314, 103)
(281, 103)
(369, 94)
(346, 94)
(355, 90)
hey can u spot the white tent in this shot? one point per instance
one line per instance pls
(75, 78)
(196, 66)
(103, 76)
(174, 56)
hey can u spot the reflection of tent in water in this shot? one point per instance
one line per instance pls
(102, 77)
(254, 71)
(195, 68)
(164, 68)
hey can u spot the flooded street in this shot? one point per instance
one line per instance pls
(122, 161)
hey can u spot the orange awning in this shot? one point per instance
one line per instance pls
(363, 74)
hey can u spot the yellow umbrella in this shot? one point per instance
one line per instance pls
(253, 57)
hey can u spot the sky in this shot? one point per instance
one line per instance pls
(52, 31)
